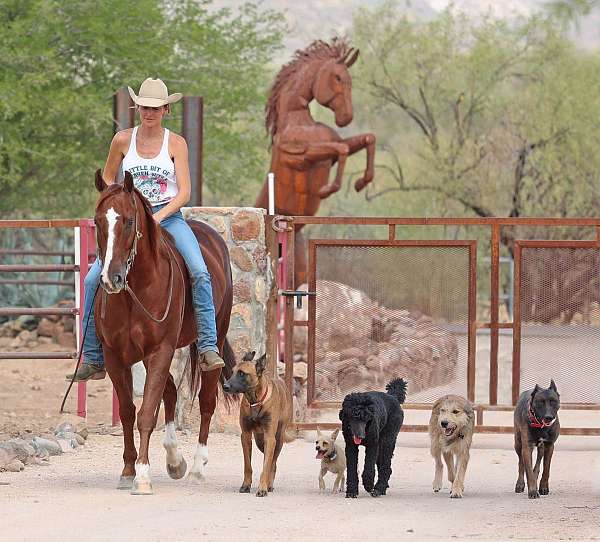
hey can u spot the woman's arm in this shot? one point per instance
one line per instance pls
(119, 143)
(182, 173)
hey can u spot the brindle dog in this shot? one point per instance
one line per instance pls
(266, 413)
(536, 425)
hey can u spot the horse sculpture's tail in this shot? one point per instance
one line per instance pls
(226, 372)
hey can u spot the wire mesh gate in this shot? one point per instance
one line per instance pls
(359, 335)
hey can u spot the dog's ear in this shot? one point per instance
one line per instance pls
(535, 390)
(261, 364)
(553, 386)
(335, 434)
(249, 356)
(470, 412)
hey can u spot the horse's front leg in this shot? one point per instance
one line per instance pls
(356, 144)
(157, 368)
(319, 151)
(208, 401)
(176, 465)
(123, 384)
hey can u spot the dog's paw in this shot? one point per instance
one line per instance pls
(456, 494)
(351, 495)
(377, 493)
(261, 493)
(436, 487)
(368, 487)
(519, 487)
(544, 490)
(533, 494)
(270, 489)
(244, 489)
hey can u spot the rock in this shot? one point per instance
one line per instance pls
(240, 257)
(46, 328)
(66, 339)
(245, 226)
(241, 292)
(27, 322)
(14, 466)
(46, 445)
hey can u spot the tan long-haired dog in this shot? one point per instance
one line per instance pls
(451, 432)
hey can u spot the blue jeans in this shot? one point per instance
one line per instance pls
(202, 298)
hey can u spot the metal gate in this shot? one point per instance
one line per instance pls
(409, 308)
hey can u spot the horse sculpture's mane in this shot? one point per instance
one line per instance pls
(337, 49)
(146, 209)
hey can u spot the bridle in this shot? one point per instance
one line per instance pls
(129, 264)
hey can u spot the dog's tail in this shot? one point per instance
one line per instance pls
(289, 435)
(397, 388)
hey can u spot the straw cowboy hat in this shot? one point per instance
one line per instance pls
(153, 93)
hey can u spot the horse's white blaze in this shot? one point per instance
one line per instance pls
(200, 460)
(142, 472)
(174, 456)
(111, 218)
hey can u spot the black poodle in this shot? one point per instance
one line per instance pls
(372, 419)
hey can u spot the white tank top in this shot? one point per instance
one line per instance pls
(153, 177)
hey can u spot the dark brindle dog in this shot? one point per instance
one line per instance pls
(536, 425)
(266, 412)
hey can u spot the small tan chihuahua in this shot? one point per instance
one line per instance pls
(333, 459)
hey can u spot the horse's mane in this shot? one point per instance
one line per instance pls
(152, 231)
(317, 50)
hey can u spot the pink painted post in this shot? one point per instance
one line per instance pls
(282, 285)
(85, 226)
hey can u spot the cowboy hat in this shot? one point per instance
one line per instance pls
(153, 93)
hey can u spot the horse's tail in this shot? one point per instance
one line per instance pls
(195, 371)
(227, 371)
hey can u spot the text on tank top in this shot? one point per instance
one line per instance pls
(153, 177)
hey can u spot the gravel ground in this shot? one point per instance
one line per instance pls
(75, 497)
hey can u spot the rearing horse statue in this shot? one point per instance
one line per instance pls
(303, 150)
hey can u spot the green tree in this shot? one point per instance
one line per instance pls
(486, 118)
(62, 60)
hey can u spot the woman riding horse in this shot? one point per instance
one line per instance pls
(158, 161)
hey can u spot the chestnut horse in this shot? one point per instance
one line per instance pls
(144, 312)
(303, 150)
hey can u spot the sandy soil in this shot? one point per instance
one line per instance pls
(75, 496)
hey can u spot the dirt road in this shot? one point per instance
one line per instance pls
(75, 497)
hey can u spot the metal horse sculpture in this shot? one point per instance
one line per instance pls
(303, 151)
(144, 313)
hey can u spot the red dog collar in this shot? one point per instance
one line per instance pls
(534, 422)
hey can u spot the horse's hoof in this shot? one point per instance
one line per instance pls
(125, 482)
(195, 476)
(142, 487)
(177, 471)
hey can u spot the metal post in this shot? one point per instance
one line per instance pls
(123, 116)
(192, 126)
(123, 110)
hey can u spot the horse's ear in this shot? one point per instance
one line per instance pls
(352, 59)
(128, 182)
(99, 181)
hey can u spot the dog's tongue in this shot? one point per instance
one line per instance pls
(320, 454)
(357, 440)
